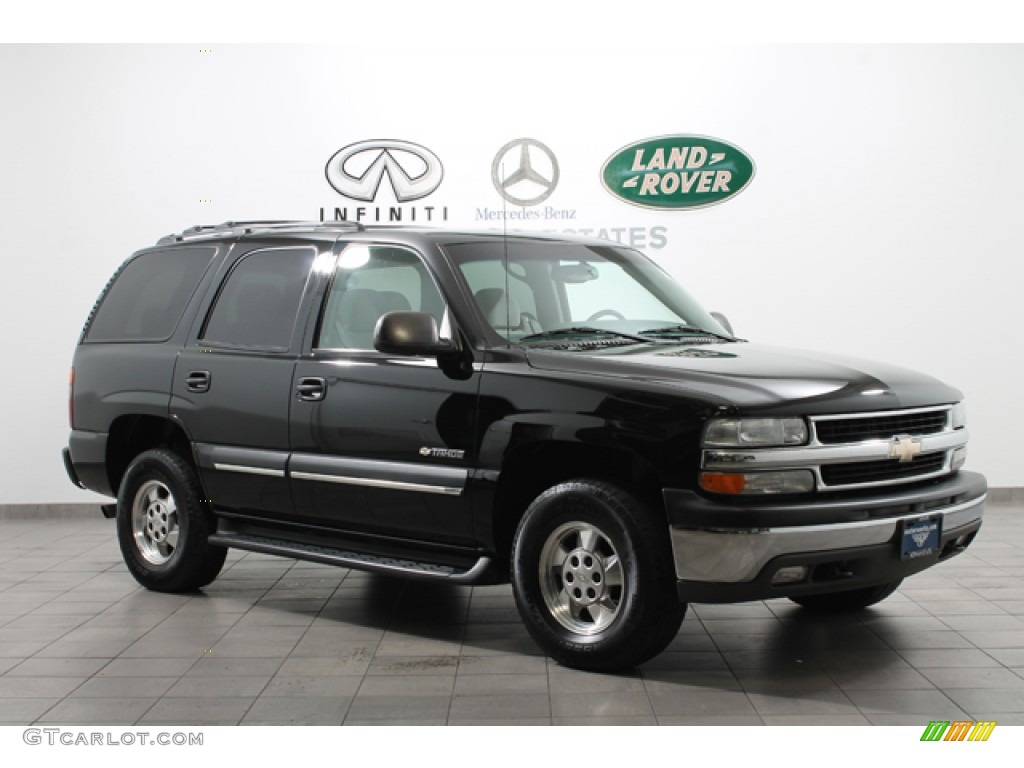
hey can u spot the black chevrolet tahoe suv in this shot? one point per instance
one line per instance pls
(478, 408)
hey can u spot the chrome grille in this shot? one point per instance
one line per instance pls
(856, 450)
(880, 427)
(884, 471)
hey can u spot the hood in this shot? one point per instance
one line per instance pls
(758, 376)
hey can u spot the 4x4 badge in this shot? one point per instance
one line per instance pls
(442, 453)
(408, 181)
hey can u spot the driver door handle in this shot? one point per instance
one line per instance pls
(311, 388)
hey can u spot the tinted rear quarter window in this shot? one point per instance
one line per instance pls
(149, 294)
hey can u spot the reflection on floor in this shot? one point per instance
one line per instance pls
(275, 641)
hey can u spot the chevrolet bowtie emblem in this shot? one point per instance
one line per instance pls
(904, 448)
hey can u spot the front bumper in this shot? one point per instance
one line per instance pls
(729, 552)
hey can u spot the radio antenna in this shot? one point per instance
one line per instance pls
(504, 240)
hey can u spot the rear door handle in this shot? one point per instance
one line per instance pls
(198, 381)
(311, 388)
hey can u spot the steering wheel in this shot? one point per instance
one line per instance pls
(609, 312)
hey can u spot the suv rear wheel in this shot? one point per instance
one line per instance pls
(593, 578)
(162, 525)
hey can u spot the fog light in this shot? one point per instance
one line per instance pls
(959, 458)
(790, 575)
(751, 483)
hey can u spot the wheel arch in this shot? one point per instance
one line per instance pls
(529, 468)
(131, 434)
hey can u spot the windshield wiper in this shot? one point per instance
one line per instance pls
(582, 330)
(693, 329)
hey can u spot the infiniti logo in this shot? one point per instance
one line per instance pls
(356, 171)
(525, 172)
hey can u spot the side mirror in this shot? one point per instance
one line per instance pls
(409, 333)
(723, 321)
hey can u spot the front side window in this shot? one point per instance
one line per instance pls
(371, 281)
(259, 301)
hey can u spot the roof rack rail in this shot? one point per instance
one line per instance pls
(342, 223)
(246, 227)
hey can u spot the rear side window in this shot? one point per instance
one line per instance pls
(259, 301)
(148, 296)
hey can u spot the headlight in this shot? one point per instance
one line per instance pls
(958, 416)
(752, 433)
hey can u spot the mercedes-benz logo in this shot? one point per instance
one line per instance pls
(527, 176)
(414, 171)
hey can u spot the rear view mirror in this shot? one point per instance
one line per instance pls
(574, 273)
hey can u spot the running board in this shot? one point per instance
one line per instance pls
(358, 560)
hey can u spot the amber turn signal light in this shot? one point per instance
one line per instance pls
(718, 482)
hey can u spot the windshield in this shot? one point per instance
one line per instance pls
(553, 286)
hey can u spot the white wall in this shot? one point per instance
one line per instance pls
(884, 221)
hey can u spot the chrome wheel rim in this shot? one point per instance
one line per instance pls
(155, 522)
(581, 578)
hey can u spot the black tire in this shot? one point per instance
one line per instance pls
(851, 600)
(163, 525)
(593, 577)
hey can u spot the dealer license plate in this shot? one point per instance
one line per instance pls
(920, 538)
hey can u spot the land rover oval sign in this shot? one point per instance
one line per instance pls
(677, 172)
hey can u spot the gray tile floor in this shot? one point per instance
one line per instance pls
(275, 641)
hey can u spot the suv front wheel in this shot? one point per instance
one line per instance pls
(162, 525)
(593, 578)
